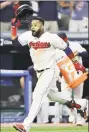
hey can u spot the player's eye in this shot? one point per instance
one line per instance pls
(34, 25)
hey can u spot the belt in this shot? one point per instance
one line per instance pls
(42, 70)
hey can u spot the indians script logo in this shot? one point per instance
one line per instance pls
(39, 45)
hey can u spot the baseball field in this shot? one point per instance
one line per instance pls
(60, 127)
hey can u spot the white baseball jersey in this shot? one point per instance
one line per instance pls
(75, 46)
(42, 49)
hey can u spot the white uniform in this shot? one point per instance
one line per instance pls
(77, 92)
(42, 51)
(43, 114)
(75, 46)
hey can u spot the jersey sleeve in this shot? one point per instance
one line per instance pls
(80, 48)
(57, 42)
(24, 37)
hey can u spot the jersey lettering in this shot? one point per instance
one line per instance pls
(39, 45)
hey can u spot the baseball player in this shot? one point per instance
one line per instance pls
(42, 48)
(78, 92)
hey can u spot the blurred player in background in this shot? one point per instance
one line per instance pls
(79, 16)
(42, 50)
(6, 14)
(50, 16)
(78, 92)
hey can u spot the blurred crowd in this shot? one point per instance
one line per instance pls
(58, 15)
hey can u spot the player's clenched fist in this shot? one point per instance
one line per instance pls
(15, 22)
(14, 25)
(79, 66)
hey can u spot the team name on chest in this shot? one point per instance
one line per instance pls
(39, 44)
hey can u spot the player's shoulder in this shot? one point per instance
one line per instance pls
(74, 43)
(28, 32)
(51, 37)
(25, 35)
(49, 34)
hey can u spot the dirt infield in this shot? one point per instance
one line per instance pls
(44, 125)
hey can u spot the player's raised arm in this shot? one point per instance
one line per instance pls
(22, 12)
(14, 37)
(21, 39)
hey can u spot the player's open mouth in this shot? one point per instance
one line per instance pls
(33, 31)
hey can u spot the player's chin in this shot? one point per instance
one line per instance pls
(34, 33)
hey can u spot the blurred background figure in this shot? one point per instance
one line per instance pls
(6, 14)
(48, 11)
(79, 16)
(35, 7)
(64, 12)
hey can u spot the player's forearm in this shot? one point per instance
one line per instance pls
(13, 32)
(14, 36)
(14, 26)
(15, 42)
(69, 52)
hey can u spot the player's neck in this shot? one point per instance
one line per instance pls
(41, 33)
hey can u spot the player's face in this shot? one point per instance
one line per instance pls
(36, 28)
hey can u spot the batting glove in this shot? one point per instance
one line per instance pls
(15, 23)
(79, 67)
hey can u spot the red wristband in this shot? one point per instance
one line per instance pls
(14, 31)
